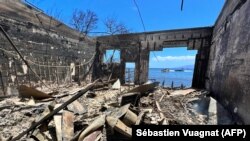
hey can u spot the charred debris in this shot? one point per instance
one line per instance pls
(91, 113)
(60, 100)
(103, 110)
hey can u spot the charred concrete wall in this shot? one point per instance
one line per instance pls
(55, 51)
(136, 54)
(135, 47)
(229, 61)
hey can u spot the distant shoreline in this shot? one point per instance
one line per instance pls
(168, 68)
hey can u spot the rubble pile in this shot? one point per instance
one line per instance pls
(91, 113)
(184, 107)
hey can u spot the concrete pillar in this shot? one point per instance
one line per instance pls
(141, 67)
(97, 72)
(201, 64)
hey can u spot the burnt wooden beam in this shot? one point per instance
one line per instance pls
(2, 82)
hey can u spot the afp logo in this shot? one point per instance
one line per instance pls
(233, 132)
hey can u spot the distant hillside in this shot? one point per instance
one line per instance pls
(186, 67)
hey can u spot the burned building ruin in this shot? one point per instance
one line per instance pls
(60, 56)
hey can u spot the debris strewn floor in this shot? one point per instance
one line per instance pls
(106, 114)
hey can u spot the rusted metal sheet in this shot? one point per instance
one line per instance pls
(99, 122)
(93, 136)
(28, 92)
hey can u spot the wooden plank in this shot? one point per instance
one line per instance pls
(182, 92)
(167, 93)
(58, 123)
(37, 135)
(158, 106)
(67, 125)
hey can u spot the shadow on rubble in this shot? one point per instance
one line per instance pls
(215, 112)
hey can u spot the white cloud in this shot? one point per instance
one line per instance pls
(174, 58)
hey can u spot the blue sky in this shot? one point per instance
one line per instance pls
(156, 14)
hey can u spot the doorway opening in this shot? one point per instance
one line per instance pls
(172, 67)
(129, 72)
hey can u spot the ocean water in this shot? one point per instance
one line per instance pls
(177, 78)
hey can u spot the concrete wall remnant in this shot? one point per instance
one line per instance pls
(229, 62)
(135, 47)
(48, 45)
